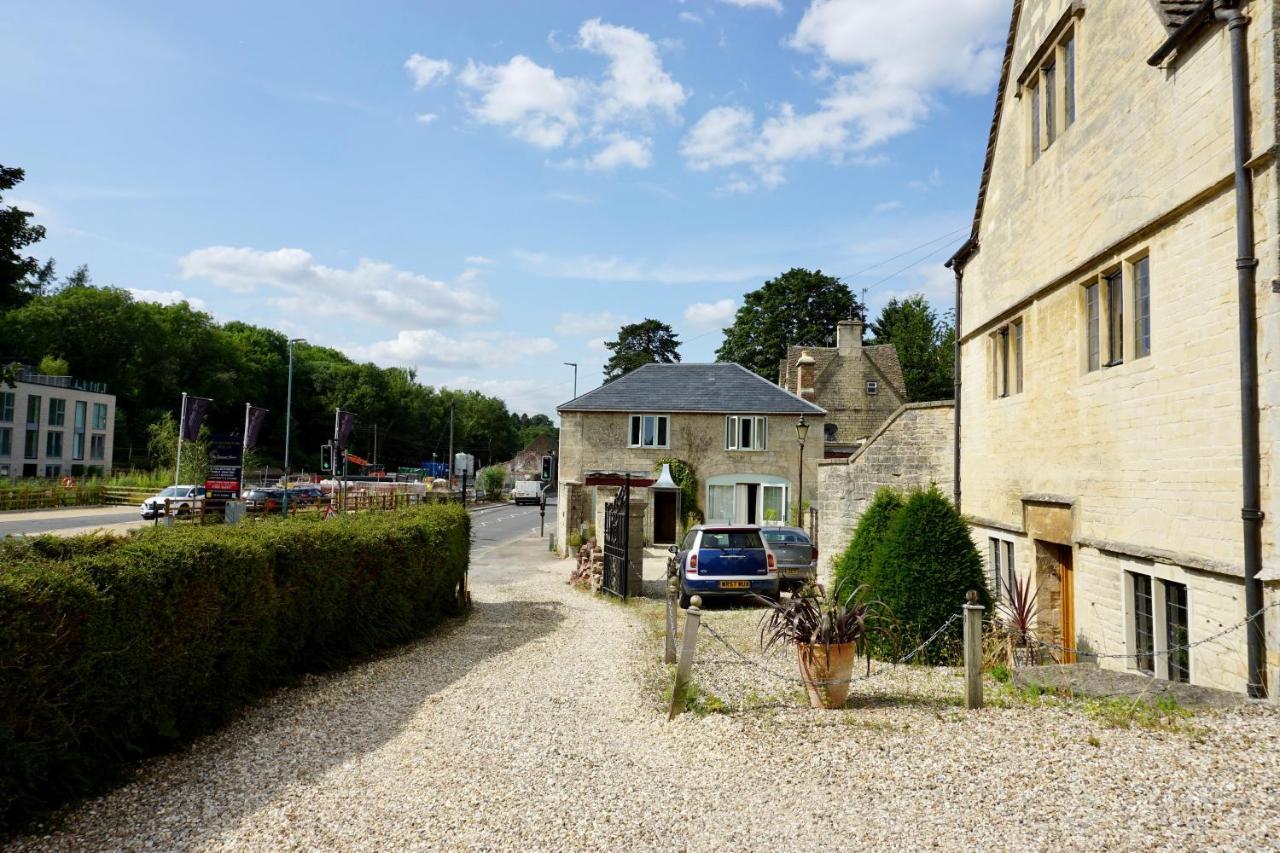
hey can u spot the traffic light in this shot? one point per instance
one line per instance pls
(326, 457)
(546, 468)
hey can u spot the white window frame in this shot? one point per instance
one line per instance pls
(873, 387)
(759, 433)
(657, 420)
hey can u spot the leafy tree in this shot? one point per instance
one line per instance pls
(924, 345)
(852, 567)
(51, 365)
(492, 480)
(162, 440)
(21, 276)
(921, 571)
(798, 308)
(638, 344)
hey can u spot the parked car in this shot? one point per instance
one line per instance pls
(796, 554)
(264, 498)
(527, 492)
(181, 500)
(307, 494)
(725, 560)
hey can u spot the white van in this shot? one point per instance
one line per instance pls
(527, 492)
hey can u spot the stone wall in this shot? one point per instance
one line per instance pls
(914, 448)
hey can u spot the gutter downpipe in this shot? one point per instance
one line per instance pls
(1246, 276)
(956, 263)
(1246, 280)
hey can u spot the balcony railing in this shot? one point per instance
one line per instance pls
(30, 376)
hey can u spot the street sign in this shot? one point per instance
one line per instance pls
(225, 460)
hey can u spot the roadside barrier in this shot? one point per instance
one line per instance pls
(694, 624)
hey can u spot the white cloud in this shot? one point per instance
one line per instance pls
(923, 186)
(425, 118)
(429, 348)
(480, 260)
(775, 5)
(373, 290)
(887, 206)
(636, 81)
(426, 71)
(895, 73)
(622, 150)
(570, 198)
(615, 269)
(167, 297)
(585, 325)
(536, 104)
(528, 396)
(956, 46)
(530, 100)
(708, 315)
(690, 18)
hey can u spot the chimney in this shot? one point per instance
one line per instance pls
(804, 376)
(849, 336)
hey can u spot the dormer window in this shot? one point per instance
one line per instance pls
(873, 387)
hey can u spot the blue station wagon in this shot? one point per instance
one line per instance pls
(725, 560)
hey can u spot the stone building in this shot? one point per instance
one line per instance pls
(734, 429)
(55, 426)
(1103, 343)
(859, 386)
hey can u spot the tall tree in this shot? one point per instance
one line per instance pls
(638, 344)
(798, 308)
(21, 276)
(924, 345)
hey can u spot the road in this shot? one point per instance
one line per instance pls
(80, 519)
(492, 526)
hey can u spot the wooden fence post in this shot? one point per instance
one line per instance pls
(687, 649)
(673, 592)
(973, 650)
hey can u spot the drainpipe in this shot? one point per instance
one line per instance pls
(956, 263)
(955, 370)
(1246, 275)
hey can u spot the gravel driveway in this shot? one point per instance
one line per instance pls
(536, 724)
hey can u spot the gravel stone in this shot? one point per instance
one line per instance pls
(538, 723)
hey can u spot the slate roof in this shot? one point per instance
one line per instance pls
(883, 357)
(711, 388)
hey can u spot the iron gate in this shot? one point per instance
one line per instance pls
(617, 536)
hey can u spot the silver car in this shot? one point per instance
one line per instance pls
(796, 554)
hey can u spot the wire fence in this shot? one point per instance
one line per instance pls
(743, 659)
(1030, 640)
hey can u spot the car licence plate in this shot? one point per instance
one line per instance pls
(735, 584)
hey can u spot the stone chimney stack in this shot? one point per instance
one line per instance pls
(849, 336)
(804, 376)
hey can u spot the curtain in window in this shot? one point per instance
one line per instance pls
(720, 506)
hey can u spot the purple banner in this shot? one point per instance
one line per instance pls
(346, 425)
(253, 423)
(194, 417)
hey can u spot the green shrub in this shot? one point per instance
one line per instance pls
(921, 571)
(116, 648)
(682, 472)
(851, 567)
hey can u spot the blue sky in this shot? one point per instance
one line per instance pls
(485, 190)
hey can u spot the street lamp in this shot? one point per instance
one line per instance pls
(574, 365)
(802, 430)
(288, 421)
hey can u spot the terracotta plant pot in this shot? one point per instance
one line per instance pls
(820, 666)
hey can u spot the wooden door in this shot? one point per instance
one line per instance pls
(664, 518)
(1066, 580)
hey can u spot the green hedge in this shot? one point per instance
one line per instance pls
(920, 572)
(852, 567)
(112, 649)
